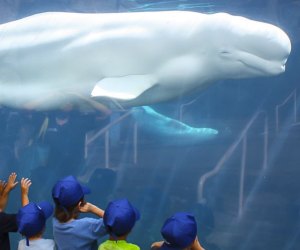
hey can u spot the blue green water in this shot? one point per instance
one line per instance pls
(162, 174)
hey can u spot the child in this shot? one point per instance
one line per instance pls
(31, 220)
(69, 231)
(119, 219)
(180, 233)
(8, 222)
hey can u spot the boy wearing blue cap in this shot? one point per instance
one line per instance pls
(119, 219)
(179, 233)
(69, 231)
(31, 221)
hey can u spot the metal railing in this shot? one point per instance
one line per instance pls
(105, 131)
(241, 139)
(291, 97)
(183, 106)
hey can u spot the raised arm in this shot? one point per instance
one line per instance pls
(86, 207)
(2, 187)
(6, 188)
(25, 184)
(196, 245)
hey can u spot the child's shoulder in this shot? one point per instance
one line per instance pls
(77, 222)
(133, 247)
(116, 245)
(41, 244)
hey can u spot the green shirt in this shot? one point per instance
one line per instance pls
(118, 245)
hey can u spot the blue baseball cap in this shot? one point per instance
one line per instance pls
(120, 217)
(179, 231)
(68, 191)
(31, 219)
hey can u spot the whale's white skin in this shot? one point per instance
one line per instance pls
(169, 130)
(135, 58)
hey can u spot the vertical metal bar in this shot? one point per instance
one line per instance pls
(182, 106)
(293, 95)
(266, 143)
(277, 119)
(135, 135)
(106, 149)
(181, 113)
(295, 106)
(242, 177)
(85, 146)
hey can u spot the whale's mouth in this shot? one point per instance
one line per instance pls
(262, 65)
(256, 64)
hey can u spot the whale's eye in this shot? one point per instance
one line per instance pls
(224, 52)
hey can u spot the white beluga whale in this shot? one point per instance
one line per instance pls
(168, 130)
(134, 58)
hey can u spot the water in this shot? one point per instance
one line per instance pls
(253, 200)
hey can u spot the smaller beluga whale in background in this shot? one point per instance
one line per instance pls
(168, 130)
(134, 58)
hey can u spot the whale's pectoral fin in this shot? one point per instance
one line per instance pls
(123, 88)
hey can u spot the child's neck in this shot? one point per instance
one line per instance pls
(124, 237)
(35, 237)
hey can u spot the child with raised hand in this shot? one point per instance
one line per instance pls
(179, 233)
(2, 187)
(69, 231)
(5, 189)
(25, 185)
(31, 220)
(8, 222)
(119, 219)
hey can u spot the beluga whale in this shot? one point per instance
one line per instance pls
(167, 130)
(136, 59)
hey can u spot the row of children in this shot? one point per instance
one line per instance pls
(70, 232)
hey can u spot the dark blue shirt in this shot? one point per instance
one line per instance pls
(8, 223)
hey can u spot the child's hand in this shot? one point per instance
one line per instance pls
(11, 183)
(25, 184)
(85, 207)
(156, 245)
(2, 186)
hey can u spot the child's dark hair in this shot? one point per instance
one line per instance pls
(64, 214)
(110, 231)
